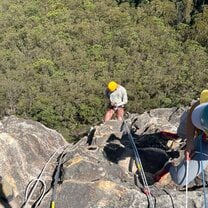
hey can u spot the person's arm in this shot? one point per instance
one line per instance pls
(107, 96)
(191, 131)
(124, 98)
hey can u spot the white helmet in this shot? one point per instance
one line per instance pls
(199, 117)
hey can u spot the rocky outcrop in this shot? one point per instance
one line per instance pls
(25, 148)
(99, 170)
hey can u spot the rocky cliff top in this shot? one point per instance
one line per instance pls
(98, 171)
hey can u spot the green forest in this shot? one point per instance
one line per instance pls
(57, 56)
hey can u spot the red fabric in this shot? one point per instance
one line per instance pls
(204, 136)
(169, 135)
(158, 177)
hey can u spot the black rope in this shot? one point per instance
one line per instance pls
(171, 198)
(56, 179)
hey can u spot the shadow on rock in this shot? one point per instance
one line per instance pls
(155, 140)
(114, 150)
(5, 197)
(152, 148)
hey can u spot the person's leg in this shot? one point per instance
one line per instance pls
(120, 113)
(178, 173)
(109, 114)
(159, 174)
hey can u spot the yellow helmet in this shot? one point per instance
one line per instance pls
(204, 96)
(112, 86)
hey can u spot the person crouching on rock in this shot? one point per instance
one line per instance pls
(117, 98)
(196, 145)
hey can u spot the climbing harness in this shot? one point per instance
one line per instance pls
(139, 166)
(203, 176)
(187, 181)
(201, 153)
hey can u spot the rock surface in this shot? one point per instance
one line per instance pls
(25, 148)
(99, 170)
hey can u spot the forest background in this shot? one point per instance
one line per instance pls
(56, 57)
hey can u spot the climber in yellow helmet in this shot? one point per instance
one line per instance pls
(117, 98)
(196, 150)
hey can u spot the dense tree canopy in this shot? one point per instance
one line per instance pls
(56, 57)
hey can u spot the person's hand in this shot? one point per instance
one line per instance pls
(189, 150)
(113, 104)
(187, 155)
(119, 105)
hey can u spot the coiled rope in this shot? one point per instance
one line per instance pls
(31, 189)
